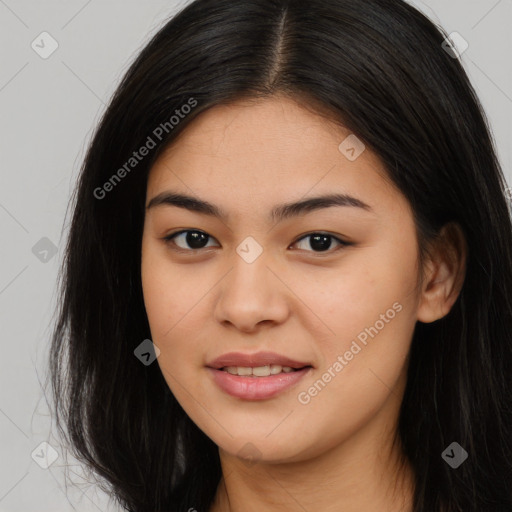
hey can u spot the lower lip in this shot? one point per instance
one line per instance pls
(256, 388)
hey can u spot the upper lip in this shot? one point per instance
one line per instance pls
(254, 360)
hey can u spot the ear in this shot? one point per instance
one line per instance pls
(444, 274)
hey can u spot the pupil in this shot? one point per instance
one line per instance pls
(195, 239)
(320, 242)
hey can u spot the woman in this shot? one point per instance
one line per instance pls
(288, 276)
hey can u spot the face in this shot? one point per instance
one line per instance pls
(331, 286)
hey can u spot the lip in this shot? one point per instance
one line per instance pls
(256, 388)
(254, 360)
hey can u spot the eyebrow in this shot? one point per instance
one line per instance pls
(278, 213)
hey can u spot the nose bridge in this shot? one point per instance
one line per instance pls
(249, 279)
(250, 293)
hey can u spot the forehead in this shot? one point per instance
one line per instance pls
(264, 149)
(269, 127)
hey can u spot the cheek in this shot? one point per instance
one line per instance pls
(157, 293)
(168, 295)
(367, 309)
(173, 295)
(363, 364)
(343, 301)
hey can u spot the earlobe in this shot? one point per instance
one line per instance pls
(444, 274)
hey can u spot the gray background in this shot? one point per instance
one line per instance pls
(48, 110)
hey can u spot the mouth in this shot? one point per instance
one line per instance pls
(256, 376)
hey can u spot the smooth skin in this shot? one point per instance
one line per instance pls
(333, 453)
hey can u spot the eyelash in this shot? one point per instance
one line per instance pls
(168, 239)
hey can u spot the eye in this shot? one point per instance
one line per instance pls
(321, 242)
(194, 238)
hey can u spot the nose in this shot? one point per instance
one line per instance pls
(252, 295)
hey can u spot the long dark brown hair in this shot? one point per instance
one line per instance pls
(380, 68)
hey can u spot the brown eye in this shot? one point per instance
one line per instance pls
(193, 238)
(322, 242)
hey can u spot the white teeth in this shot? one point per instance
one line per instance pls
(275, 368)
(259, 371)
